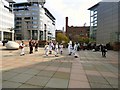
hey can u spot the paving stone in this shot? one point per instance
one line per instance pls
(61, 69)
(77, 71)
(9, 84)
(62, 75)
(38, 80)
(96, 79)
(29, 86)
(21, 78)
(108, 74)
(90, 72)
(89, 67)
(8, 75)
(57, 83)
(79, 77)
(46, 73)
(78, 84)
(66, 65)
(99, 85)
(32, 71)
(112, 80)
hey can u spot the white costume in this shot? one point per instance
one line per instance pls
(70, 47)
(22, 49)
(61, 48)
(51, 46)
(56, 49)
(75, 49)
(46, 50)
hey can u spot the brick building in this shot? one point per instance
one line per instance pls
(76, 31)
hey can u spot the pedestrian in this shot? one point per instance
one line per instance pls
(51, 46)
(70, 47)
(36, 45)
(78, 47)
(56, 49)
(22, 45)
(61, 48)
(46, 49)
(75, 48)
(31, 46)
(104, 50)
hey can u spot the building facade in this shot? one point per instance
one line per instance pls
(107, 22)
(6, 20)
(93, 21)
(73, 32)
(33, 21)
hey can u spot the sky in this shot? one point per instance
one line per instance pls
(76, 11)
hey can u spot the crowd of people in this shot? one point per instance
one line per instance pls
(49, 47)
(57, 48)
(73, 47)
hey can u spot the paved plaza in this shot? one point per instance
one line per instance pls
(36, 70)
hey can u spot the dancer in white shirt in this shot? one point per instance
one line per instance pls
(46, 49)
(61, 48)
(70, 47)
(56, 49)
(22, 45)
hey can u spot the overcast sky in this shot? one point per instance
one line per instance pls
(75, 10)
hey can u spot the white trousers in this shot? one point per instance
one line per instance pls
(22, 51)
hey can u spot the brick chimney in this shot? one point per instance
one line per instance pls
(66, 25)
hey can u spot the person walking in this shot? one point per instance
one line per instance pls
(56, 49)
(46, 49)
(103, 50)
(51, 46)
(36, 45)
(22, 45)
(70, 47)
(31, 46)
(61, 48)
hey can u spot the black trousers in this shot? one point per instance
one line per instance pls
(104, 53)
(31, 50)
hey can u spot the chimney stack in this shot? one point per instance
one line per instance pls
(66, 25)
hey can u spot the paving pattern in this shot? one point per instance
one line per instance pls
(36, 70)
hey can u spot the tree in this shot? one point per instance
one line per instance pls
(60, 38)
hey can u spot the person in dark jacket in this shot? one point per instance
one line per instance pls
(36, 45)
(31, 46)
(103, 50)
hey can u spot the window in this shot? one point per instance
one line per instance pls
(7, 36)
(34, 18)
(34, 9)
(27, 13)
(35, 4)
(34, 13)
(35, 26)
(27, 18)
(18, 18)
(17, 31)
(18, 22)
(34, 22)
(18, 13)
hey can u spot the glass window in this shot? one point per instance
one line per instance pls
(34, 22)
(34, 9)
(7, 36)
(34, 18)
(35, 4)
(34, 13)
(35, 26)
